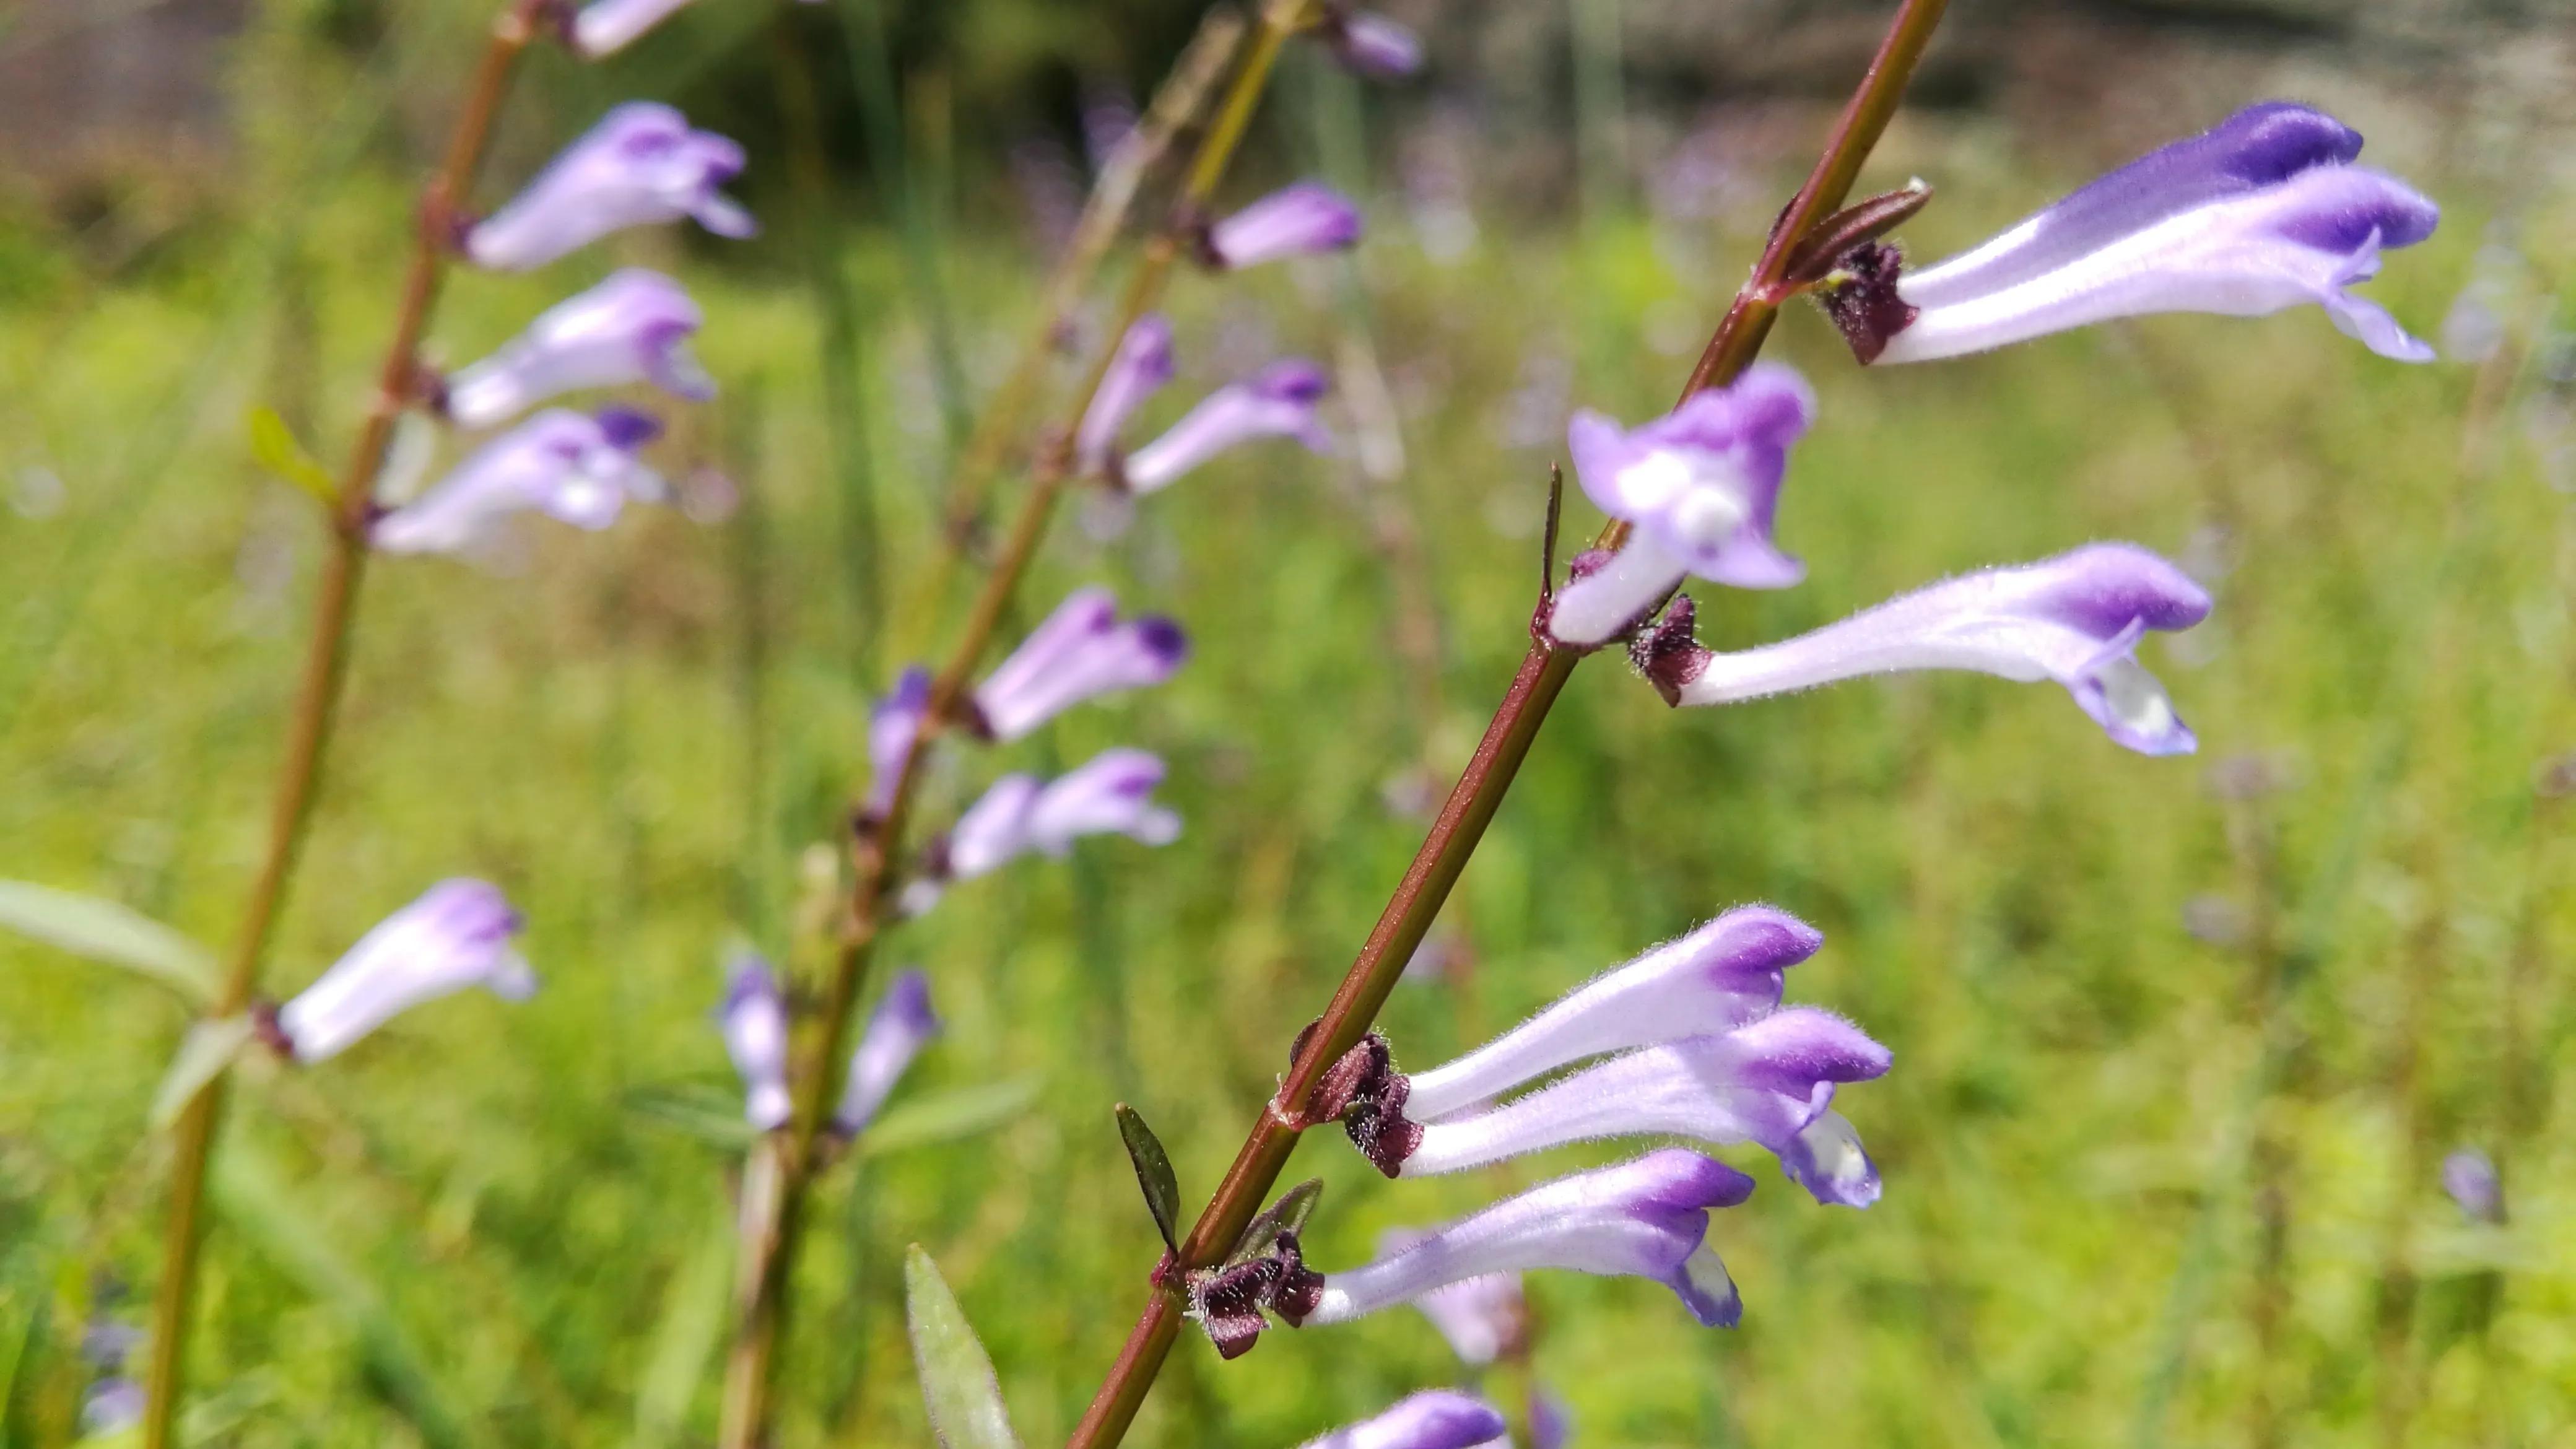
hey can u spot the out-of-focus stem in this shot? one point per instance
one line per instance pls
(1490, 771)
(317, 701)
(750, 1370)
(873, 72)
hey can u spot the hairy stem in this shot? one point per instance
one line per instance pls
(877, 851)
(317, 700)
(1489, 773)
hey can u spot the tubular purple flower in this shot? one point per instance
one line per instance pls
(456, 935)
(1764, 1082)
(580, 468)
(1277, 402)
(1716, 978)
(1432, 1419)
(1294, 221)
(753, 1019)
(605, 27)
(1647, 1218)
(2075, 618)
(112, 1406)
(994, 831)
(1701, 484)
(902, 1025)
(640, 165)
(1551, 1423)
(1110, 795)
(1082, 650)
(1481, 1317)
(2262, 212)
(1826, 1159)
(1138, 370)
(2469, 1176)
(634, 327)
(1370, 44)
(892, 727)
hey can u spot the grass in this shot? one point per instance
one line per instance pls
(477, 1230)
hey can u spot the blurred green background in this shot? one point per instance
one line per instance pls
(2180, 1044)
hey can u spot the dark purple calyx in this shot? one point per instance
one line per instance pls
(1229, 1302)
(1668, 652)
(1862, 301)
(1366, 1094)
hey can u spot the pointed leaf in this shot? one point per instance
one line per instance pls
(204, 1053)
(710, 1113)
(274, 447)
(1287, 1215)
(947, 1116)
(1153, 1174)
(105, 931)
(957, 1382)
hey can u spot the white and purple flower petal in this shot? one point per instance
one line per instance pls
(902, 1025)
(2470, 1178)
(1137, 370)
(2263, 212)
(576, 467)
(1826, 1159)
(1082, 650)
(1110, 795)
(634, 327)
(1482, 1317)
(1432, 1419)
(1764, 1082)
(893, 726)
(1701, 485)
(604, 27)
(1277, 402)
(1371, 45)
(994, 831)
(1646, 1218)
(753, 1020)
(641, 165)
(458, 934)
(2076, 619)
(1294, 221)
(1717, 978)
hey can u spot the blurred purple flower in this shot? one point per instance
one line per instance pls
(902, 1025)
(580, 468)
(753, 1020)
(634, 327)
(1369, 44)
(1482, 1317)
(1110, 795)
(640, 165)
(1826, 1159)
(1294, 221)
(1551, 1423)
(2470, 1177)
(604, 27)
(113, 1406)
(1700, 484)
(1083, 649)
(2076, 618)
(892, 727)
(1138, 370)
(1277, 402)
(2262, 212)
(458, 934)
(1432, 1419)
(1647, 1218)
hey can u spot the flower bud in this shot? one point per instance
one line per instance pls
(1432, 1419)
(634, 327)
(1082, 650)
(641, 165)
(456, 935)
(1277, 402)
(901, 1026)
(580, 468)
(753, 1019)
(1294, 221)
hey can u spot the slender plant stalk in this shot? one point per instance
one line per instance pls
(1489, 773)
(751, 1368)
(317, 700)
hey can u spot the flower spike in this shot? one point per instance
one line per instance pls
(2076, 618)
(640, 165)
(1082, 650)
(754, 1021)
(1277, 402)
(1432, 1419)
(1294, 221)
(456, 935)
(580, 468)
(2262, 212)
(634, 327)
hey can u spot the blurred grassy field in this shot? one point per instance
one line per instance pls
(2144, 1185)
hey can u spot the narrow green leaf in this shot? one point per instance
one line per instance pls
(704, 1110)
(208, 1048)
(948, 1116)
(957, 1382)
(273, 446)
(693, 1323)
(1153, 1174)
(109, 933)
(1287, 1215)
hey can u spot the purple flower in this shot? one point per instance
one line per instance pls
(1294, 221)
(1276, 402)
(1482, 1317)
(1551, 1423)
(2263, 212)
(1140, 367)
(1110, 795)
(1432, 1419)
(1083, 649)
(753, 1019)
(994, 831)
(112, 1406)
(2469, 1176)
(580, 468)
(604, 27)
(2075, 618)
(1763, 1082)
(456, 935)
(1826, 1159)
(634, 327)
(1715, 979)
(1370, 44)
(640, 165)
(1700, 484)
(1647, 1218)
(902, 1025)
(892, 727)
